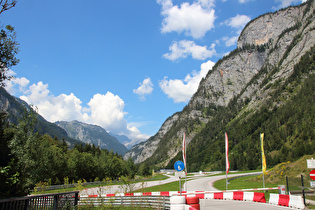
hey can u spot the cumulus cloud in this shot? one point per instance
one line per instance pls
(105, 110)
(11, 84)
(230, 41)
(239, 21)
(184, 48)
(108, 112)
(145, 88)
(286, 3)
(182, 90)
(194, 19)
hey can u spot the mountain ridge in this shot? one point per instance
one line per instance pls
(268, 48)
(92, 134)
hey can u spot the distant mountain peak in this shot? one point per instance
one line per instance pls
(92, 134)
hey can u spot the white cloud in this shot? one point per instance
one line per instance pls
(194, 19)
(286, 3)
(106, 110)
(239, 21)
(243, 1)
(54, 108)
(229, 41)
(184, 48)
(182, 90)
(145, 88)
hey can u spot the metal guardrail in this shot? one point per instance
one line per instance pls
(156, 202)
(47, 201)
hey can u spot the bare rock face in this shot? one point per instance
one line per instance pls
(144, 150)
(271, 41)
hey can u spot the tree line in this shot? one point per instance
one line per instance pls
(28, 158)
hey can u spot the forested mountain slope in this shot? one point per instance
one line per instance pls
(92, 134)
(265, 85)
(16, 108)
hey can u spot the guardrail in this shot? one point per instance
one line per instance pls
(47, 201)
(156, 202)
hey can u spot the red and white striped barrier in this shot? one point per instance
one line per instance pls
(231, 194)
(238, 195)
(292, 201)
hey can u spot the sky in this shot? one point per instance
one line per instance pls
(125, 65)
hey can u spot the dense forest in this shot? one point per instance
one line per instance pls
(28, 158)
(287, 119)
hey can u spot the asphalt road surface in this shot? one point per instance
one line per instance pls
(209, 204)
(203, 183)
(199, 183)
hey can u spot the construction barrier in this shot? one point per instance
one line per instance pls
(193, 202)
(292, 201)
(178, 202)
(239, 195)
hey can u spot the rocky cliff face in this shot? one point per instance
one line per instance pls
(92, 134)
(268, 48)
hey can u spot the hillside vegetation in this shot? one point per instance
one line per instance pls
(258, 88)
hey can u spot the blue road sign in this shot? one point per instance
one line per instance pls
(179, 165)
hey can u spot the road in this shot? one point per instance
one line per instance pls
(199, 183)
(203, 183)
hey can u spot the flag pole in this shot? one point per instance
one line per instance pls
(184, 159)
(227, 164)
(263, 158)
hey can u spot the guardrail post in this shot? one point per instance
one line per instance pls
(25, 204)
(303, 188)
(163, 202)
(55, 204)
(76, 199)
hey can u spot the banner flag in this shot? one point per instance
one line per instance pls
(184, 151)
(227, 153)
(264, 165)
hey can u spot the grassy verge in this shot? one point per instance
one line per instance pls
(172, 186)
(102, 184)
(250, 182)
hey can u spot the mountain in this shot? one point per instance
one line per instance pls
(265, 85)
(16, 109)
(92, 134)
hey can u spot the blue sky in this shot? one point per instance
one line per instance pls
(125, 65)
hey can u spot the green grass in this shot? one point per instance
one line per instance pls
(242, 183)
(102, 184)
(245, 182)
(172, 186)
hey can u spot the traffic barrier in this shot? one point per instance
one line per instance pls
(218, 195)
(287, 200)
(228, 195)
(296, 202)
(259, 197)
(284, 200)
(238, 195)
(193, 202)
(194, 207)
(248, 196)
(209, 196)
(201, 195)
(178, 202)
